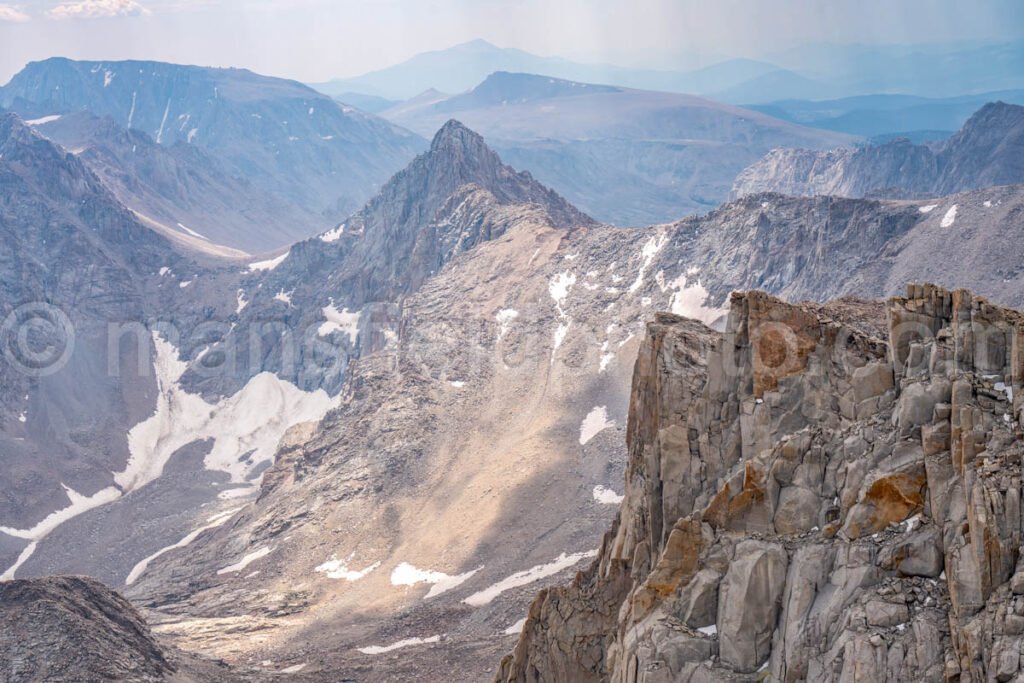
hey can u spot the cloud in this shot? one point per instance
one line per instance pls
(12, 13)
(94, 9)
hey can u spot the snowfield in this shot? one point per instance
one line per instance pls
(250, 423)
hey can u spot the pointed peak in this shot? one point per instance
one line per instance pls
(13, 126)
(455, 134)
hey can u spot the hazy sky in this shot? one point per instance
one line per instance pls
(315, 40)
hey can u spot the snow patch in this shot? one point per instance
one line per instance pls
(245, 561)
(212, 522)
(516, 628)
(131, 112)
(333, 235)
(45, 119)
(528, 576)
(505, 317)
(559, 288)
(163, 122)
(269, 264)
(688, 300)
(408, 642)
(294, 669)
(560, 332)
(407, 575)
(595, 421)
(606, 496)
(711, 630)
(78, 504)
(927, 208)
(647, 253)
(193, 232)
(284, 297)
(108, 78)
(242, 303)
(245, 428)
(1006, 389)
(949, 218)
(338, 569)
(340, 321)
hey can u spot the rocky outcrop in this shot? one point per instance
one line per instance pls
(73, 629)
(985, 152)
(826, 493)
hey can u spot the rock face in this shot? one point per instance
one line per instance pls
(987, 151)
(182, 189)
(73, 629)
(826, 493)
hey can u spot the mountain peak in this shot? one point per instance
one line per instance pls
(996, 111)
(11, 124)
(454, 133)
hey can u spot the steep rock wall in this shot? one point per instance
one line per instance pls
(826, 493)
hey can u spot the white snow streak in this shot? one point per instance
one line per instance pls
(193, 232)
(269, 264)
(131, 112)
(45, 119)
(338, 569)
(163, 122)
(408, 642)
(213, 522)
(516, 628)
(78, 505)
(245, 561)
(407, 575)
(949, 218)
(647, 254)
(528, 576)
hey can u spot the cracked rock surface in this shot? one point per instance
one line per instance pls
(821, 493)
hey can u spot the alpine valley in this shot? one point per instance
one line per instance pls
(295, 391)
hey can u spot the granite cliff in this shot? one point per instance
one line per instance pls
(822, 492)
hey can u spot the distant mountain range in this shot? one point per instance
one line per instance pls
(463, 66)
(880, 117)
(626, 156)
(817, 72)
(282, 137)
(987, 151)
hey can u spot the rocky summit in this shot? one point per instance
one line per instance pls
(820, 493)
